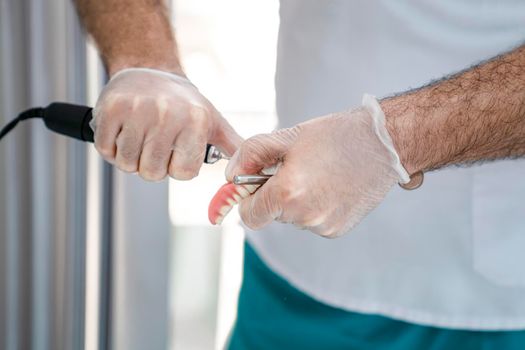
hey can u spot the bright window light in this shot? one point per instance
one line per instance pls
(228, 50)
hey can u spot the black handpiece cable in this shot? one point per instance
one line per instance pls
(30, 113)
(64, 118)
(73, 121)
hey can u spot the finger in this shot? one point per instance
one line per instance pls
(328, 230)
(156, 155)
(131, 138)
(188, 153)
(105, 139)
(259, 152)
(108, 123)
(264, 206)
(129, 146)
(225, 137)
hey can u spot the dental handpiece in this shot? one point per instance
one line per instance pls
(73, 121)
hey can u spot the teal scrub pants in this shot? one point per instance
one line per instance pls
(273, 315)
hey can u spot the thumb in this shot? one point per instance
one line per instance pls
(260, 151)
(225, 137)
(262, 207)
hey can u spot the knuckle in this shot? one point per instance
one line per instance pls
(313, 219)
(158, 155)
(288, 195)
(195, 160)
(162, 109)
(151, 171)
(182, 173)
(152, 175)
(285, 217)
(189, 156)
(128, 153)
(293, 196)
(198, 117)
(116, 104)
(128, 144)
(106, 151)
(332, 231)
(250, 225)
(128, 167)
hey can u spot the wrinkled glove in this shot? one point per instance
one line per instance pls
(158, 123)
(332, 171)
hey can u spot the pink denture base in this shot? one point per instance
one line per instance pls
(225, 199)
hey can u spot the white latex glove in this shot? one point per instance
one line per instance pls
(157, 123)
(333, 171)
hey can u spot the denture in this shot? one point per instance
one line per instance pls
(226, 198)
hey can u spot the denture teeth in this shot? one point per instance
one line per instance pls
(251, 188)
(226, 198)
(243, 192)
(225, 210)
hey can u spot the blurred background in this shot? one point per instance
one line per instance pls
(90, 257)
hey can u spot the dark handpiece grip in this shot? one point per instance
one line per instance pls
(73, 121)
(70, 120)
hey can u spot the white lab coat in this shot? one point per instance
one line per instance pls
(449, 254)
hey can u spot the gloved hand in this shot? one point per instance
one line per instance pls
(157, 123)
(333, 171)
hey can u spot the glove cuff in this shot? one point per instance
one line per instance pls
(172, 76)
(372, 106)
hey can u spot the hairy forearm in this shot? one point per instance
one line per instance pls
(131, 33)
(475, 115)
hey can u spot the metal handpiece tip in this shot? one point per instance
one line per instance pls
(250, 179)
(213, 155)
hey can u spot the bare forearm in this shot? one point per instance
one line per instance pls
(131, 33)
(476, 115)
